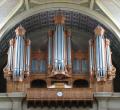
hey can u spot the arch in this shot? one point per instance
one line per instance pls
(38, 84)
(80, 83)
(64, 6)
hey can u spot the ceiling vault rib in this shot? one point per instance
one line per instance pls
(27, 4)
(11, 13)
(59, 1)
(92, 4)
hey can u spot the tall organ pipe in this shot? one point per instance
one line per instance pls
(91, 58)
(27, 56)
(68, 35)
(10, 55)
(50, 47)
(108, 56)
(100, 52)
(59, 44)
(18, 66)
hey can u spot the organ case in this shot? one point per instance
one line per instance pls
(60, 69)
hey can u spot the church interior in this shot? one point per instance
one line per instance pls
(59, 55)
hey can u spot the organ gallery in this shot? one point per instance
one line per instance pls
(60, 73)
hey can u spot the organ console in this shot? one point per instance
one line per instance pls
(59, 69)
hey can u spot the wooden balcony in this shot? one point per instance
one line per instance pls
(67, 94)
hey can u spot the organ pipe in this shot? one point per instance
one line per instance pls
(100, 52)
(68, 35)
(27, 56)
(108, 56)
(91, 57)
(59, 45)
(99, 55)
(50, 47)
(19, 51)
(10, 55)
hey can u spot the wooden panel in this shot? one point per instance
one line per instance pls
(68, 94)
(103, 86)
(39, 55)
(35, 76)
(17, 86)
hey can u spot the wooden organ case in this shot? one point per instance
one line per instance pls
(59, 73)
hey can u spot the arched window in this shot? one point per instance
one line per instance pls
(38, 84)
(80, 83)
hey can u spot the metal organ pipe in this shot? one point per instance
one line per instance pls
(100, 52)
(18, 67)
(68, 35)
(50, 47)
(59, 45)
(91, 57)
(108, 56)
(10, 55)
(27, 56)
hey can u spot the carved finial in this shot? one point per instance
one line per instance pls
(59, 19)
(20, 31)
(11, 42)
(50, 33)
(99, 31)
(67, 33)
(28, 42)
(107, 42)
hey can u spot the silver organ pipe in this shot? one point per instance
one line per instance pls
(59, 45)
(50, 47)
(91, 57)
(100, 52)
(19, 51)
(68, 35)
(27, 56)
(10, 55)
(108, 56)
(99, 55)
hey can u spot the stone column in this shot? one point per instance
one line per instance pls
(16, 99)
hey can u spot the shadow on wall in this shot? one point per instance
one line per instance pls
(3, 62)
(80, 83)
(116, 81)
(38, 84)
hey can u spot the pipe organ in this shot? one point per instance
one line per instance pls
(59, 70)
